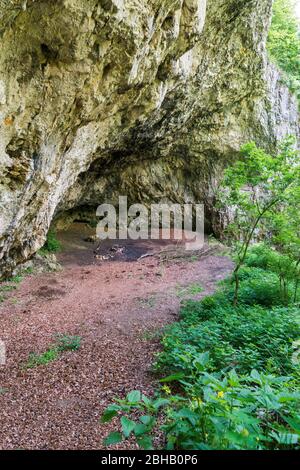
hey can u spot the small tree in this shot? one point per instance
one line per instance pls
(252, 191)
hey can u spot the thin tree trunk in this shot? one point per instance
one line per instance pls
(296, 290)
(237, 286)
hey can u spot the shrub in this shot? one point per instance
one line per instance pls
(241, 338)
(68, 342)
(255, 197)
(270, 261)
(224, 412)
(257, 287)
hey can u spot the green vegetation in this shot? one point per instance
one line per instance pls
(19, 277)
(36, 360)
(67, 342)
(260, 190)
(7, 288)
(284, 42)
(11, 284)
(3, 289)
(52, 245)
(230, 366)
(63, 343)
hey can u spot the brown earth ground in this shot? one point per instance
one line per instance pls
(115, 301)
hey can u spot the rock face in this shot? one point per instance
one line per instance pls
(145, 98)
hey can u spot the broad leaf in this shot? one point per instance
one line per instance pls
(127, 426)
(113, 438)
(134, 396)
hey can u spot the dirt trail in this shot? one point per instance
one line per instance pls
(112, 304)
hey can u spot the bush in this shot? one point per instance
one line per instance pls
(240, 338)
(270, 262)
(257, 287)
(259, 256)
(225, 412)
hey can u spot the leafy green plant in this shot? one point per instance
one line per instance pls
(284, 265)
(284, 42)
(52, 244)
(63, 343)
(140, 428)
(259, 256)
(10, 284)
(217, 412)
(284, 226)
(259, 287)
(191, 290)
(7, 288)
(237, 339)
(68, 342)
(36, 360)
(16, 279)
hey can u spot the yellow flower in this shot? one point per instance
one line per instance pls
(220, 394)
(245, 432)
(166, 389)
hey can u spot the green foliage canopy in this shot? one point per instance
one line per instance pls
(284, 42)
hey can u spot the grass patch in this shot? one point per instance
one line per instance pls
(63, 343)
(68, 342)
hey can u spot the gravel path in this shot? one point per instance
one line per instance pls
(112, 306)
